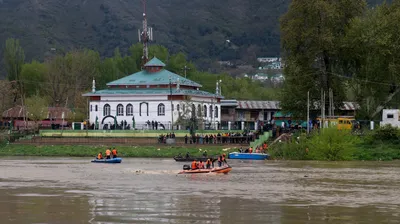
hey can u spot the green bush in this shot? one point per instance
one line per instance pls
(386, 133)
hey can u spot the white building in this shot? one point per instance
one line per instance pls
(391, 117)
(153, 94)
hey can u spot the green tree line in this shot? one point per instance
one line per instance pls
(345, 46)
(63, 78)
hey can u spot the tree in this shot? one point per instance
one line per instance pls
(311, 33)
(373, 49)
(14, 58)
(32, 77)
(37, 108)
(190, 116)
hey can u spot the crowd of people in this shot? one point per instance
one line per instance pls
(109, 154)
(163, 138)
(222, 138)
(259, 149)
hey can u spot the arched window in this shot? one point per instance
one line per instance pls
(199, 110)
(178, 107)
(95, 108)
(172, 105)
(129, 110)
(161, 109)
(211, 111)
(142, 106)
(205, 111)
(216, 112)
(120, 110)
(91, 108)
(106, 110)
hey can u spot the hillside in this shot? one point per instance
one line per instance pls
(198, 27)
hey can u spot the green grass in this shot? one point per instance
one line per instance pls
(123, 151)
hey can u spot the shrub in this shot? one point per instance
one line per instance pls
(386, 133)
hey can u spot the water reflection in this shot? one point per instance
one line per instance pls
(75, 191)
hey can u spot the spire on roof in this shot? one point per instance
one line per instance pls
(93, 86)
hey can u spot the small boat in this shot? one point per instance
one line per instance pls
(113, 160)
(190, 159)
(251, 156)
(223, 169)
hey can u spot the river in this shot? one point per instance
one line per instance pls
(73, 190)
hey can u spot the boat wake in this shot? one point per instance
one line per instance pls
(154, 172)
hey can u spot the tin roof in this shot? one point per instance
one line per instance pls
(263, 105)
(152, 91)
(154, 62)
(349, 106)
(53, 112)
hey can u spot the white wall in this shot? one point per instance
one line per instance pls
(390, 116)
(152, 108)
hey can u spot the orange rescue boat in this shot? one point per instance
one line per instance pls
(223, 169)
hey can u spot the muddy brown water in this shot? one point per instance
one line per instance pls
(64, 190)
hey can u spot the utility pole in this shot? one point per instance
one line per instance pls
(185, 69)
(308, 112)
(172, 112)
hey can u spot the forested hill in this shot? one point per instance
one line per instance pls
(200, 28)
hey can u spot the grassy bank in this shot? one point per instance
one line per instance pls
(123, 151)
(335, 145)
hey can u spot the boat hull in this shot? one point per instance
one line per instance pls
(114, 160)
(250, 156)
(224, 170)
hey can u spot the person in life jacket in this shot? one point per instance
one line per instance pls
(223, 160)
(250, 150)
(201, 165)
(114, 153)
(108, 154)
(194, 165)
(219, 161)
(100, 156)
(208, 163)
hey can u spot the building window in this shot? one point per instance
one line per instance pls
(199, 110)
(147, 108)
(205, 111)
(210, 111)
(96, 108)
(129, 110)
(390, 116)
(91, 108)
(193, 110)
(183, 108)
(216, 112)
(106, 110)
(161, 110)
(172, 107)
(177, 107)
(120, 110)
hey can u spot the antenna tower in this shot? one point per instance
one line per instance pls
(145, 36)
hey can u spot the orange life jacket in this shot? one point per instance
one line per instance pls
(194, 165)
(99, 156)
(114, 152)
(108, 152)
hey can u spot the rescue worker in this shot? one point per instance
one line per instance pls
(100, 156)
(194, 165)
(223, 160)
(108, 154)
(201, 165)
(208, 163)
(114, 153)
(250, 150)
(219, 161)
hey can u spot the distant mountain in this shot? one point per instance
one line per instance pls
(200, 28)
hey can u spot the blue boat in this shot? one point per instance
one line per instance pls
(251, 156)
(114, 160)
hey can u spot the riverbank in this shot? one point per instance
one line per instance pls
(157, 151)
(331, 144)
